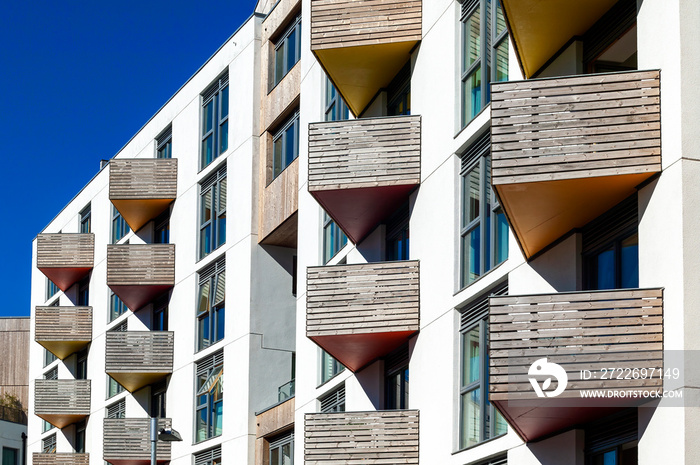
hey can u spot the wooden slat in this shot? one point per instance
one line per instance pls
(579, 331)
(129, 439)
(575, 127)
(60, 459)
(364, 153)
(62, 397)
(65, 250)
(63, 324)
(382, 437)
(143, 178)
(139, 352)
(360, 299)
(140, 264)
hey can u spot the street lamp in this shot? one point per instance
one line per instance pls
(167, 435)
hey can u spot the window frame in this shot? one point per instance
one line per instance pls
(120, 228)
(116, 409)
(83, 296)
(164, 143)
(277, 443)
(48, 444)
(282, 134)
(86, 219)
(217, 218)
(212, 364)
(13, 451)
(118, 303)
(338, 368)
(338, 239)
(337, 405)
(218, 94)
(336, 108)
(282, 43)
(215, 313)
(51, 289)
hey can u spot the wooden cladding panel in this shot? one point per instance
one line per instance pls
(62, 397)
(141, 264)
(65, 250)
(576, 127)
(577, 330)
(139, 352)
(63, 324)
(359, 299)
(129, 439)
(349, 23)
(384, 437)
(60, 459)
(134, 179)
(367, 152)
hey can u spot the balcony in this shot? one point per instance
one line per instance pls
(138, 273)
(389, 436)
(65, 258)
(362, 170)
(127, 441)
(60, 459)
(566, 150)
(141, 189)
(63, 330)
(138, 358)
(62, 402)
(362, 45)
(358, 313)
(579, 331)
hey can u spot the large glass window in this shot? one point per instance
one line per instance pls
(85, 220)
(211, 310)
(484, 53)
(334, 238)
(285, 145)
(212, 213)
(214, 121)
(287, 50)
(336, 109)
(483, 227)
(164, 144)
(329, 366)
(120, 228)
(209, 397)
(282, 449)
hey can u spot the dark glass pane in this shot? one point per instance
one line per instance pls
(287, 454)
(202, 425)
(205, 241)
(206, 207)
(220, 323)
(224, 102)
(208, 117)
(291, 51)
(471, 260)
(471, 95)
(223, 138)
(277, 157)
(207, 150)
(500, 19)
(606, 269)
(471, 37)
(290, 145)
(279, 63)
(204, 338)
(630, 263)
(501, 237)
(471, 195)
(275, 456)
(471, 419)
(501, 67)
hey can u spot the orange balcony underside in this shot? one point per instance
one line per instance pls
(356, 351)
(64, 278)
(61, 420)
(63, 349)
(136, 297)
(358, 211)
(138, 212)
(132, 382)
(542, 212)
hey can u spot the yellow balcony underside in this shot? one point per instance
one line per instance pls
(61, 420)
(132, 382)
(63, 349)
(540, 28)
(360, 72)
(138, 212)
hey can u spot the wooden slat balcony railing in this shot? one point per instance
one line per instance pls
(358, 313)
(63, 330)
(138, 358)
(65, 258)
(382, 437)
(138, 273)
(375, 36)
(594, 331)
(62, 402)
(60, 459)
(362, 170)
(565, 150)
(142, 188)
(127, 441)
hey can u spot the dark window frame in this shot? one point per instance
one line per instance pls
(282, 50)
(164, 143)
(282, 136)
(217, 95)
(278, 443)
(206, 370)
(334, 239)
(120, 227)
(333, 401)
(211, 317)
(86, 219)
(336, 108)
(212, 230)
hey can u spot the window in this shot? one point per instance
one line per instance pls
(81, 365)
(336, 109)
(282, 449)
(10, 456)
(161, 228)
(209, 397)
(479, 420)
(399, 93)
(48, 444)
(484, 53)
(211, 304)
(117, 409)
(611, 248)
(85, 222)
(160, 314)
(116, 307)
(51, 289)
(46, 426)
(84, 292)
(208, 457)
(214, 121)
(287, 50)
(285, 145)
(164, 144)
(158, 400)
(396, 379)
(80, 437)
(113, 387)
(334, 239)
(52, 373)
(613, 440)
(119, 227)
(334, 401)
(397, 234)
(49, 358)
(329, 366)
(484, 228)
(212, 213)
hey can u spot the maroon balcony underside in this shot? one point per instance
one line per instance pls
(356, 351)
(136, 297)
(64, 278)
(358, 211)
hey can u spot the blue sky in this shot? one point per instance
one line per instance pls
(78, 79)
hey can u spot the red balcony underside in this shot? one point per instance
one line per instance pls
(65, 277)
(356, 351)
(358, 211)
(136, 297)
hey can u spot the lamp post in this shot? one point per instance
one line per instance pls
(167, 435)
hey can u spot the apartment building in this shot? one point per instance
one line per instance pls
(431, 202)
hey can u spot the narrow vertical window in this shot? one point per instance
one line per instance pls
(209, 397)
(164, 144)
(334, 239)
(161, 228)
(396, 379)
(336, 109)
(160, 314)
(399, 92)
(51, 289)
(282, 449)
(212, 213)
(84, 292)
(397, 234)
(158, 392)
(80, 437)
(214, 121)
(48, 444)
(287, 50)
(119, 226)
(113, 387)
(211, 310)
(116, 307)
(329, 366)
(81, 365)
(85, 221)
(285, 145)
